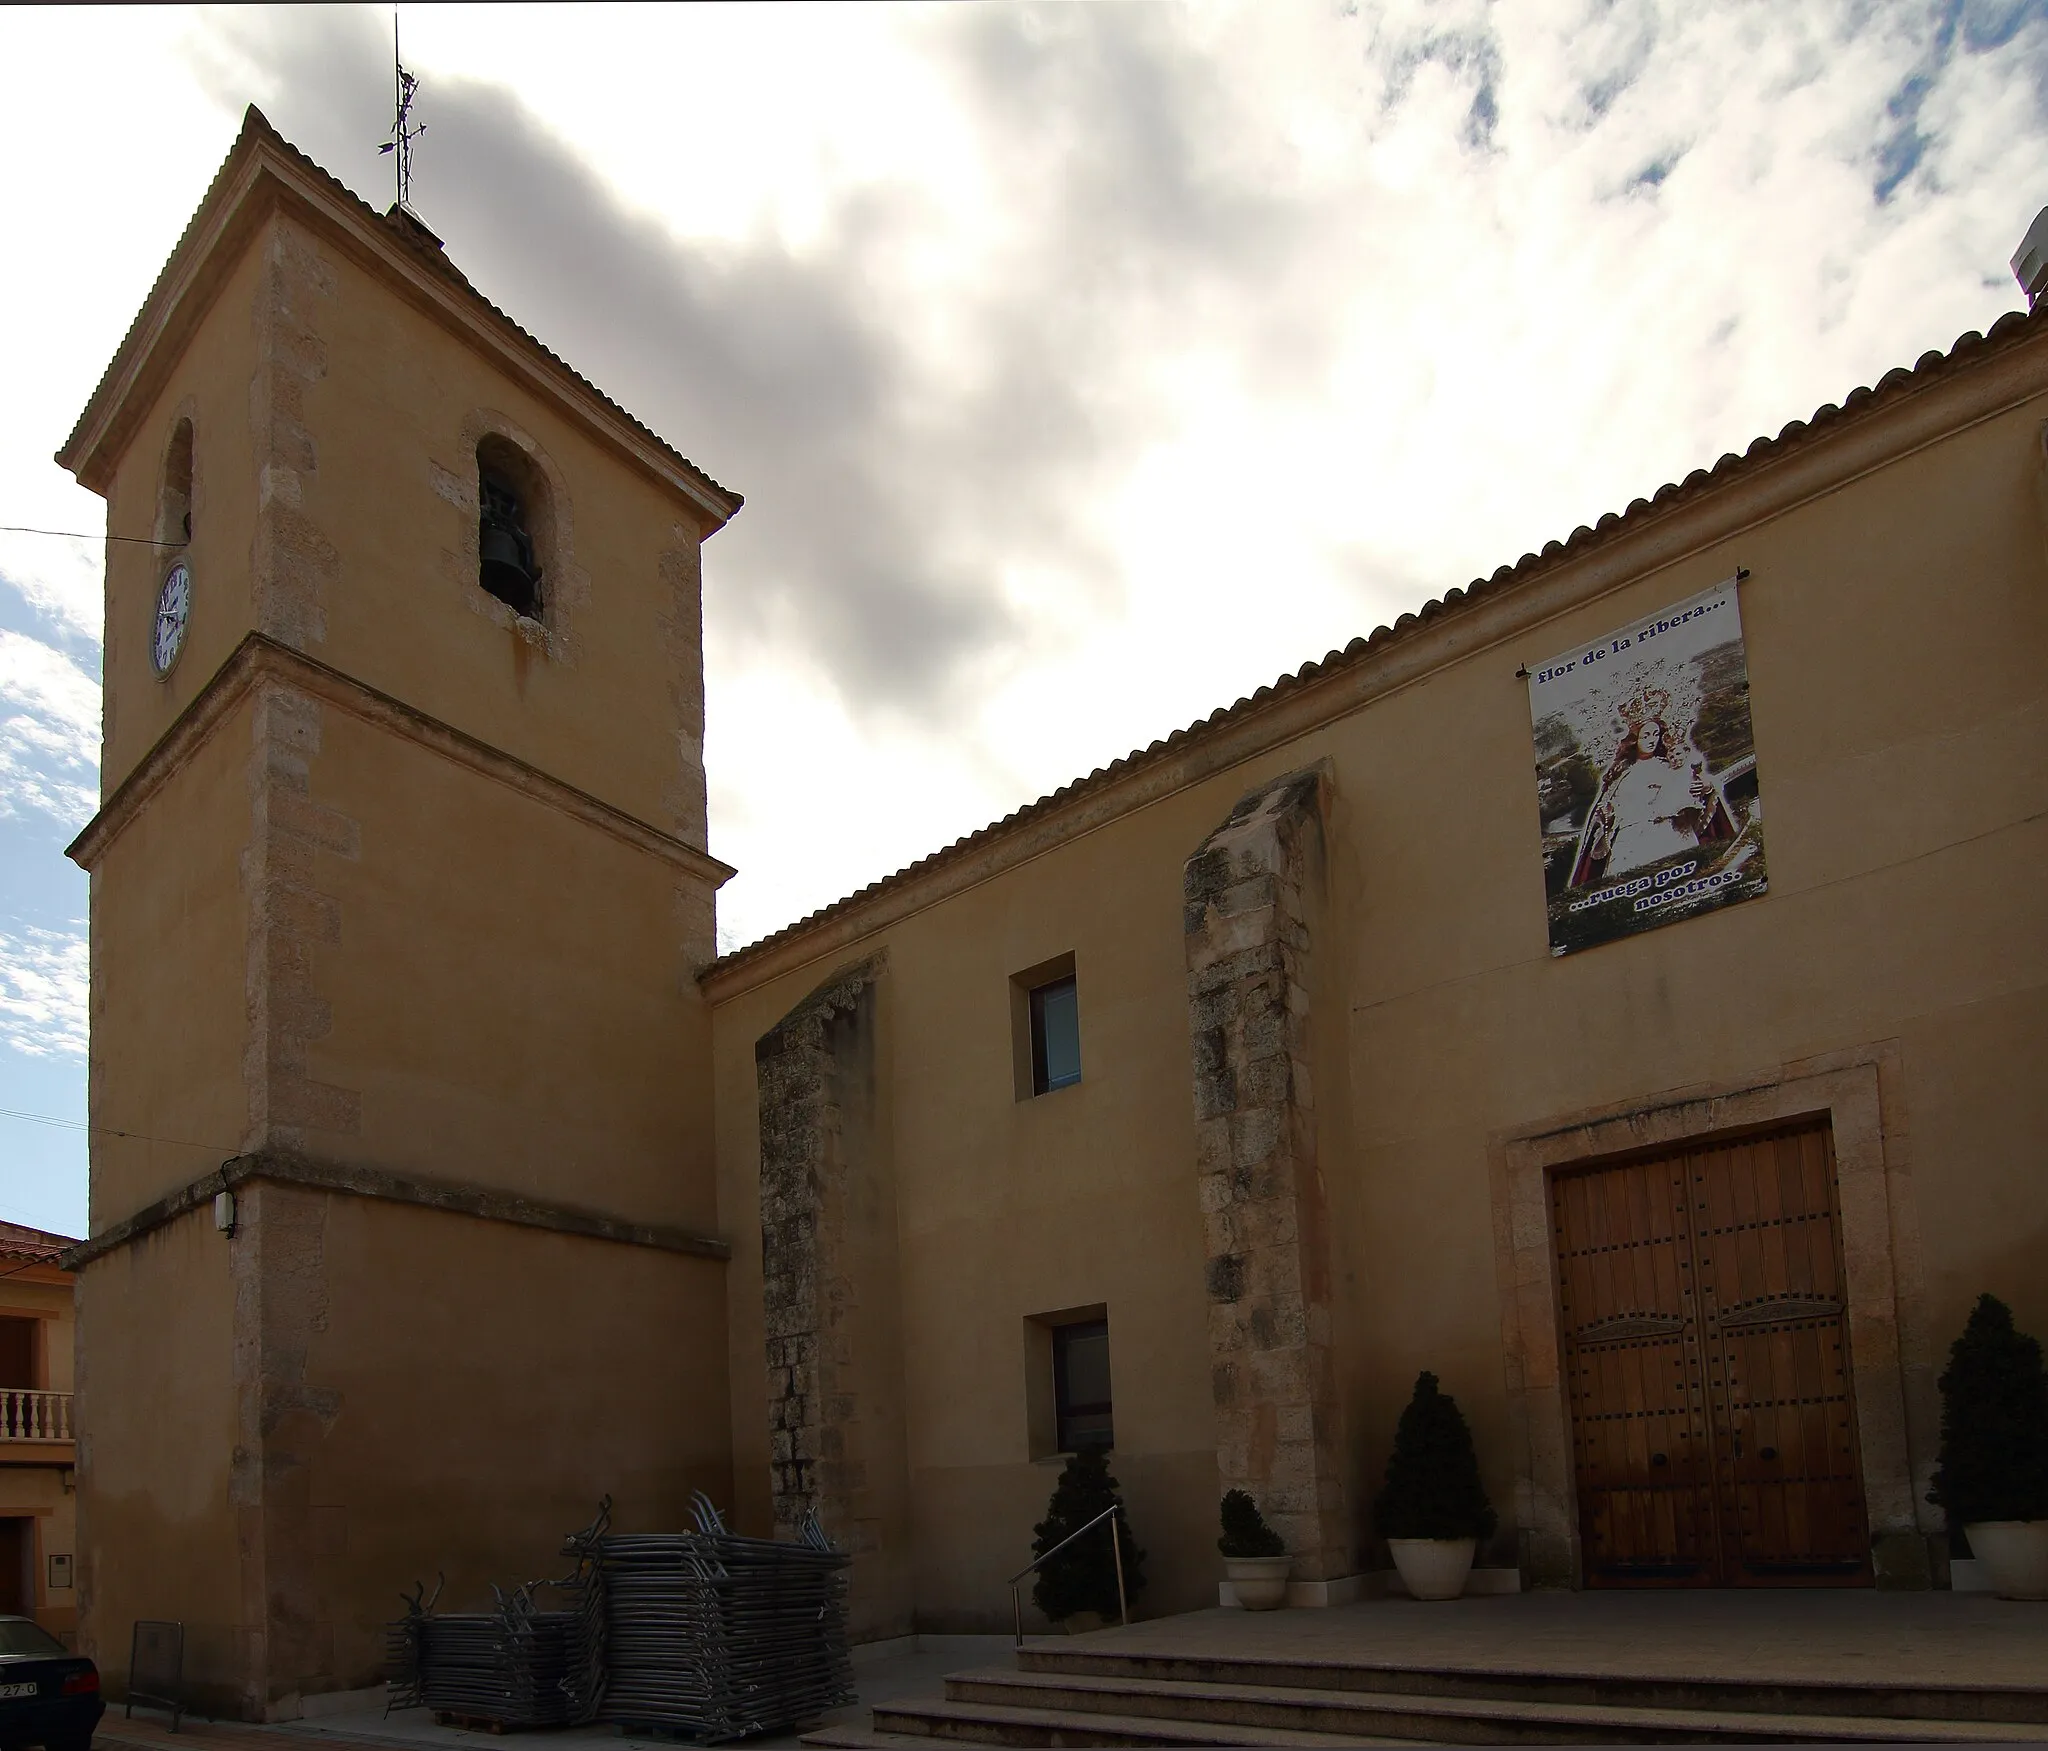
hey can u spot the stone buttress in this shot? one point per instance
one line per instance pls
(1251, 890)
(829, 1290)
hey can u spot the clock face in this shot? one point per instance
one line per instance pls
(173, 609)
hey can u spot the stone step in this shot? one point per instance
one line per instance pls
(1177, 1707)
(849, 1738)
(982, 1723)
(1857, 1698)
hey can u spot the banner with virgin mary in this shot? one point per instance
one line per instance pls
(1646, 774)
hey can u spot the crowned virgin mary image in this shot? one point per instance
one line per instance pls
(1655, 800)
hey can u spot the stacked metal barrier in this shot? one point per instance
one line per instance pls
(404, 1650)
(713, 1637)
(518, 1666)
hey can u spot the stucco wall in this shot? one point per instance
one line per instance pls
(1010, 1209)
(469, 1391)
(612, 700)
(339, 933)
(335, 506)
(509, 991)
(516, 986)
(156, 1411)
(168, 990)
(1897, 633)
(210, 385)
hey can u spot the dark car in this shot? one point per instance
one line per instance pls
(49, 1696)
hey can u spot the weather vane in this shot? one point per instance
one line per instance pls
(403, 129)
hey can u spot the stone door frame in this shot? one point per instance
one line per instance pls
(1856, 1095)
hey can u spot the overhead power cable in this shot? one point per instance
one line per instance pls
(79, 535)
(110, 1131)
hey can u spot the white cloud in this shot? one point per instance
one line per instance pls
(49, 733)
(49, 684)
(1360, 306)
(1084, 367)
(59, 577)
(44, 980)
(85, 240)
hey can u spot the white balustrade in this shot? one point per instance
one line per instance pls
(34, 1416)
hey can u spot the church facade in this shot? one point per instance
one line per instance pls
(1454, 1004)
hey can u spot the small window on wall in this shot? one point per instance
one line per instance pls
(1080, 1385)
(1055, 1037)
(1045, 1027)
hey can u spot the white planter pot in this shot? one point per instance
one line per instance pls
(1260, 1582)
(2014, 1554)
(1433, 1568)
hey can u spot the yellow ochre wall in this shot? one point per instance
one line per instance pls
(375, 458)
(157, 1509)
(1897, 636)
(210, 384)
(511, 992)
(471, 1391)
(169, 1003)
(337, 933)
(621, 717)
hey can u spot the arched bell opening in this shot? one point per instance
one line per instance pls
(515, 525)
(174, 496)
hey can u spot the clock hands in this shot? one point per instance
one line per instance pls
(173, 609)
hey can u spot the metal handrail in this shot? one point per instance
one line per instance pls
(1116, 1550)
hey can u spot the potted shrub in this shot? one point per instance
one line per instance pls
(1077, 1589)
(1433, 1510)
(1253, 1556)
(1993, 1474)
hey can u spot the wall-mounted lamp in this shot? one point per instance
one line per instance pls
(224, 1212)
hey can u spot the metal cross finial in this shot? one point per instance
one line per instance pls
(403, 129)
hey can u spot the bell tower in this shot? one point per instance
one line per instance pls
(404, 1243)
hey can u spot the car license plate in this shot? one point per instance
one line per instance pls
(17, 1690)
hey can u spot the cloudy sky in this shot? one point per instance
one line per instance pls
(1084, 366)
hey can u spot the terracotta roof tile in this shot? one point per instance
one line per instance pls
(2007, 330)
(24, 1245)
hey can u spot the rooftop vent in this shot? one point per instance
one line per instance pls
(2030, 266)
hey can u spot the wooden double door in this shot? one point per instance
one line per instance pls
(1706, 1362)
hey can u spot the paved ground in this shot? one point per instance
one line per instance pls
(890, 1679)
(1789, 1636)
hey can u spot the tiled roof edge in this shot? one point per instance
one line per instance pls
(256, 130)
(1968, 349)
(252, 121)
(18, 1240)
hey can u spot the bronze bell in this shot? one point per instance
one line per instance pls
(506, 565)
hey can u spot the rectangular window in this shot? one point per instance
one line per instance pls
(1055, 1036)
(1080, 1385)
(1045, 1027)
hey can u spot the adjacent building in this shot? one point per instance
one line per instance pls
(38, 1448)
